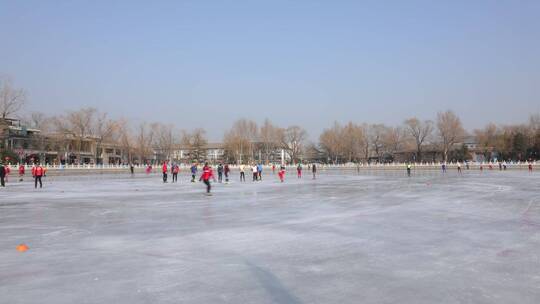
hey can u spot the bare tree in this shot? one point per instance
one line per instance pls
(165, 140)
(331, 142)
(293, 142)
(450, 131)
(144, 140)
(240, 139)
(11, 99)
(196, 142)
(376, 139)
(420, 131)
(270, 137)
(393, 139)
(124, 137)
(103, 129)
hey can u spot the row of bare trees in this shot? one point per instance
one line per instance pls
(510, 142)
(360, 142)
(245, 141)
(73, 130)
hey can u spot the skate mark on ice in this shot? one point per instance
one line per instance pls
(526, 215)
(272, 285)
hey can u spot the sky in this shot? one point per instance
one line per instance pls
(309, 63)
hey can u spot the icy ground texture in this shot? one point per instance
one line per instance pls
(344, 238)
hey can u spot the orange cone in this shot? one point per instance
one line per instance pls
(22, 248)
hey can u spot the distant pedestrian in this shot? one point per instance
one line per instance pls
(299, 171)
(21, 172)
(409, 170)
(444, 168)
(175, 169)
(259, 171)
(164, 169)
(255, 171)
(220, 172)
(2, 175)
(459, 168)
(242, 173)
(131, 169)
(281, 173)
(530, 168)
(193, 170)
(38, 173)
(314, 171)
(226, 171)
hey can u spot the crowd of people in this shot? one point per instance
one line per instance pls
(223, 172)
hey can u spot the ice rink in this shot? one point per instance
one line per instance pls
(373, 237)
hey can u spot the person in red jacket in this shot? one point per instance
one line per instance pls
(281, 173)
(38, 173)
(21, 172)
(206, 175)
(164, 170)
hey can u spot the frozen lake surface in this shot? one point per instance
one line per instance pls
(377, 237)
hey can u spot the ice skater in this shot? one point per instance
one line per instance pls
(299, 171)
(175, 169)
(37, 173)
(193, 170)
(530, 167)
(220, 173)
(242, 173)
(255, 171)
(314, 171)
(281, 173)
(131, 169)
(443, 167)
(206, 175)
(459, 168)
(164, 169)
(409, 170)
(226, 171)
(2, 175)
(21, 172)
(273, 168)
(259, 171)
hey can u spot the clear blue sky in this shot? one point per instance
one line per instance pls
(207, 63)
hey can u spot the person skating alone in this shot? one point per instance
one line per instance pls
(164, 169)
(193, 170)
(38, 173)
(21, 172)
(242, 173)
(131, 169)
(409, 170)
(255, 172)
(259, 171)
(206, 175)
(226, 170)
(314, 171)
(2, 175)
(220, 173)
(299, 171)
(281, 173)
(175, 169)
(459, 168)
